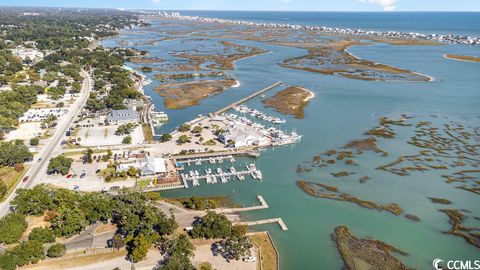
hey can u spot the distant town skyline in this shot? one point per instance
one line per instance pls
(274, 5)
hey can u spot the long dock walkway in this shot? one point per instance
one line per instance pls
(263, 205)
(236, 103)
(280, 222)
(246, 152)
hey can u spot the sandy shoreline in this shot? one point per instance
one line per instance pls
(312, 94)
(462, 60)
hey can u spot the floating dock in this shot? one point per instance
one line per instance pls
(236, 103)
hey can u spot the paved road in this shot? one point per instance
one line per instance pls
(38, 168)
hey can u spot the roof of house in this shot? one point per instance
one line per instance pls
(239, 133)
(122, 115)
(149, 165)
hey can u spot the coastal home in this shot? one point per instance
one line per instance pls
(242, 136)
(148, 166)
(122, 117)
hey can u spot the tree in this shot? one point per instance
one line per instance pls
(59, 164)
(12, 227)
(117, 242)
(197, 129)
(234, 248)
(97, 207)
(33, 201)
(125, 129)
(26, 252)
(183, 139)
(34, 141)
(178, 252)
(3, 190)
(138, 248)
(56, 250)
(179, 245)
(176, 262)
(132, 172)
(212, 225)
(165, 137)
(184, 128)
(88, 155)
(12, 153)
(68, 221)
(127, 140)
(42, 235)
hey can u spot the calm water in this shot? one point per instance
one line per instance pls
(341, 111)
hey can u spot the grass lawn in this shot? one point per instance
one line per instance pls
(74, 260)
(143, 182)
(147, 133)
(267, 251)
(10, 177)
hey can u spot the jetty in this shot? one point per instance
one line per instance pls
(263, 205)
(236, 103)
(280, 222)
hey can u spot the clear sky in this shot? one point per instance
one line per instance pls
(294, 5)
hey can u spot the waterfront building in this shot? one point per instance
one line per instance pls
(148, 166)
(122, 117)
(242, 136)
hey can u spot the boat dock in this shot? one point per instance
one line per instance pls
(263, 205)
(210, 159)
(218, 175)
(280, 222)
(236, 103)
(216, 155)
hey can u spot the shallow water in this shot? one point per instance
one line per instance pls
(342, 110)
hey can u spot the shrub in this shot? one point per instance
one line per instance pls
(42, 235)
(56, 250)
(12, 227)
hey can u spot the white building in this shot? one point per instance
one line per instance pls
(243, 136)
(122, 117)
(26, 53)
(148, 166)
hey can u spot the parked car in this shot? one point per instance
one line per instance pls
(250, 259)
(69, 176)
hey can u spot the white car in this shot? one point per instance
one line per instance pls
(250, 259)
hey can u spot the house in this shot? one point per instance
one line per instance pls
(148, 166)
(122, 117)
(242, 136)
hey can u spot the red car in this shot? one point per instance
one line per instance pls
(25, 179)
(69, 176)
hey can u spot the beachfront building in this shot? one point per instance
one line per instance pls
(122, 117)
(148, 166)
(242, 136)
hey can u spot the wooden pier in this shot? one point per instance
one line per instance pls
(280, 222)
(236, 103)
(245, 152)
(263, 205)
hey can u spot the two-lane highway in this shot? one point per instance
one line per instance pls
(38, 168)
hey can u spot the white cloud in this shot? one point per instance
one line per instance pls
(388, 5)
(156, 2)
